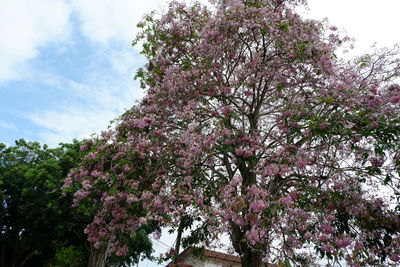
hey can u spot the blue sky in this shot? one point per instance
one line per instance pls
(67, 66)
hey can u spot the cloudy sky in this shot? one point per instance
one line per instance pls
(67, 66)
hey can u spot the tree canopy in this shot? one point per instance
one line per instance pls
(35, 218)
(39, 226)
(253, 126)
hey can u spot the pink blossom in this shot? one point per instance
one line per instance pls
(67, 182)
(286, 201)
(91, 155)
(243, 153)
(358, 245)
(238, 220)
(324, 238)
(248, 93)
(343, 242)
(377, 162)
(226, 110)
(323, 125)
(127, 168)
(140, 124)
(327, 248)
(214, 114)
(146, 195)
(226, 90)
(95, 173)
(108, 200)
(132, 199)
(330, 218)
(293, 195)
(157, 203)
(271, 170)
(81, 194)
(374, 103)
(236, 180)
(86, 185)
(253, 236)
(142, 221)
(123, 251)
(84, 147)
(258, 205)
(327, 228)
(229, 142)
(157, 235)
(226, 132)
(307, 235)
(394, 257)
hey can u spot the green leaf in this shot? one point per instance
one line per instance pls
(283, 26)
(388, 179)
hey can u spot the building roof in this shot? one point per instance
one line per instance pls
(211, 254)
(221, 256)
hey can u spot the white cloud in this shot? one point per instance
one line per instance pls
(25, 27)
(94, 104)
(368, 21)
(71, 122)
(106, 95)
(104, 21)
(125, 61)
(89, 105)
(6, 125)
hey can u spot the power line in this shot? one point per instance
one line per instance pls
(158, 241)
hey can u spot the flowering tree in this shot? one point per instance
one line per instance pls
(254, 127)
(90, 208)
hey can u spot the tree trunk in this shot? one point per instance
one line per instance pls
(251, 258)
(12, 256)
(97, 257)
(178, 240)
(248, 256)
(25, 256)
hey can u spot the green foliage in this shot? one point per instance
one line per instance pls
(70, 256)
(39, 227)
(34, 213)
(138, 243)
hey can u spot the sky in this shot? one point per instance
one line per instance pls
(67, 66)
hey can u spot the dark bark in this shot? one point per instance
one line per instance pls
(12, 256)
(251, 258)
(248, 256)
(178, 241)
(25, 256)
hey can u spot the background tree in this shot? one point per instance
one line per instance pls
(35, 218)
(252, 125)
(39, 227)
